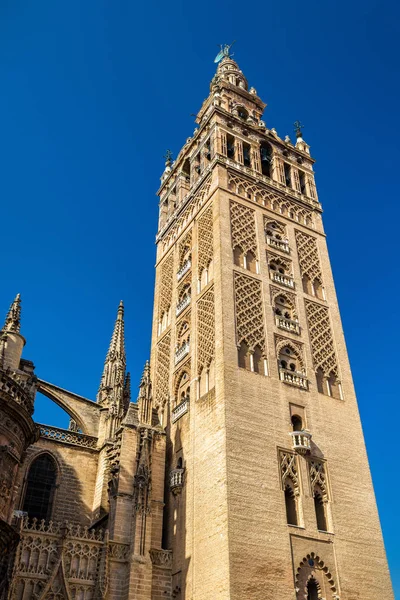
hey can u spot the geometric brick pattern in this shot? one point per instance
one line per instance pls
(318, 476)
(269, 199)
(205, 330)
(322, 347)
(162, 371)
(205, 238)
(166, 284)
(288, 467)
(249, 312)
(308, 256)
(243, 228)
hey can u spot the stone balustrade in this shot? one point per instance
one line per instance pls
(287, 324)
(184, 269)
(301, 441)
(183, 304)
(294, 378)
(283, 279)
(182, 352)
(282, 245)
(21, 392)
(176, 481)
(180, 410)
(66, 436)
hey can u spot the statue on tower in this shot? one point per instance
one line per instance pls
(224, 52)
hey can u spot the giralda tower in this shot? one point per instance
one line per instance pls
(269, 494)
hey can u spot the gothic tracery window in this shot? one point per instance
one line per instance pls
(40, 487)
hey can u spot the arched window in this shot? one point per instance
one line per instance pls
(334, 386)
(288, 360)
(230, 146)
(266, 159)
(258, 360)
(242, 113)
(320, 515)
(238, 256)
(244, 356)
(307, 285)
(312, 590)
(321, 383)
(246, 154)
(297, 423)
(291, 507)
(40, 487)
(251, 262)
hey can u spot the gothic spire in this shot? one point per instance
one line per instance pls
(145, 396)
(113, 376)
(13, 318)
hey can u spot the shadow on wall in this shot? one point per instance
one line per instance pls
(50, 486)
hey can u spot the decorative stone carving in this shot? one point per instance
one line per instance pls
(166, 285)
(269, 199)
(205, 239)
(289, 469)
(205, 330)
(307, 250)
(249, 311)
(162, 371)
(313, 567)
(322, 346)
(318, 477)
(161, 558)
(243, 228)
(66, 436)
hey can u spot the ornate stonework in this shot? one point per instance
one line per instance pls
(249, 311)
(243, 227)
(205, 330)
(322, 346)
(205, 238)
(308, 256)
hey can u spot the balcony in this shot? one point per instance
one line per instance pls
(184, 269)
(294, 378)
(301, 441)
(180, 410)
(287, 324)
(183, 304)
(281, 245)
(283, 279)
(176, 481)
(182, 352)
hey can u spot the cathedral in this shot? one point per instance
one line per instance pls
(240, 471)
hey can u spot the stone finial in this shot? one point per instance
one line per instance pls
(113, 378)
(297, 128)
(145, 397)
(13, 318)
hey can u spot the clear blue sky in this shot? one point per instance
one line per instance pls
(94, 92)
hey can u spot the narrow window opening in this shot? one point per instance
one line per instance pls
(320, 515)
(266, 159)
(291, 509)
(312, 590)
(297, 423)
(230, 146)
(288, 175)
(302, 179)
(246, 155)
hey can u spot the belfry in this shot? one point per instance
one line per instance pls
(240, 473)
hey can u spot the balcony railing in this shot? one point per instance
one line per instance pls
(66, 436)
(301, 441)
(180, 410)
(184, 269)
(287, 324)
(183, 304)
(182, 352)
(281, 245)
(176, 481)
(293, 378)
(281, 278)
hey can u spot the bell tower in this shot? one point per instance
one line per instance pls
(269, 493)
